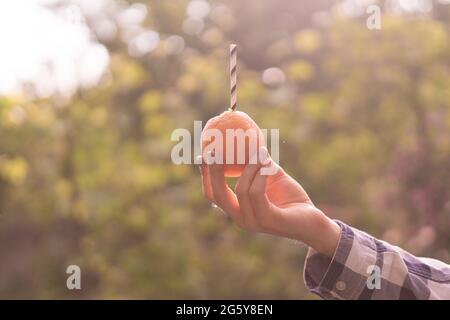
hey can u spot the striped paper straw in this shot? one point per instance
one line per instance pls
(233, 67)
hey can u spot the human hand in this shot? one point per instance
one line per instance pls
(275, 204)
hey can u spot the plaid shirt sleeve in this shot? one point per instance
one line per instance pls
(351, 274)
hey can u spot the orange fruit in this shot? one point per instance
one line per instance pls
(241, 139)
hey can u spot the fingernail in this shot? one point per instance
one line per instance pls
(209, 157)
(264, 157)
(254, 159)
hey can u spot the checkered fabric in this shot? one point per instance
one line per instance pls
(350, 273)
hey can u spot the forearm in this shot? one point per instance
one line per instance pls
(322, 234)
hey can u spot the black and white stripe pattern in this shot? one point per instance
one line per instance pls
(233, 67)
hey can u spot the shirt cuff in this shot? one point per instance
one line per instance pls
(342, 277)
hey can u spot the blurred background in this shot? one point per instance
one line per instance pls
(90, 92)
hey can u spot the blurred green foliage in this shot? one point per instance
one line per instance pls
(365, 127)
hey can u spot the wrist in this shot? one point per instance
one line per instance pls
(326, 234)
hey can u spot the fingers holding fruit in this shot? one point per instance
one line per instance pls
(232, 145)
(249, 207)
